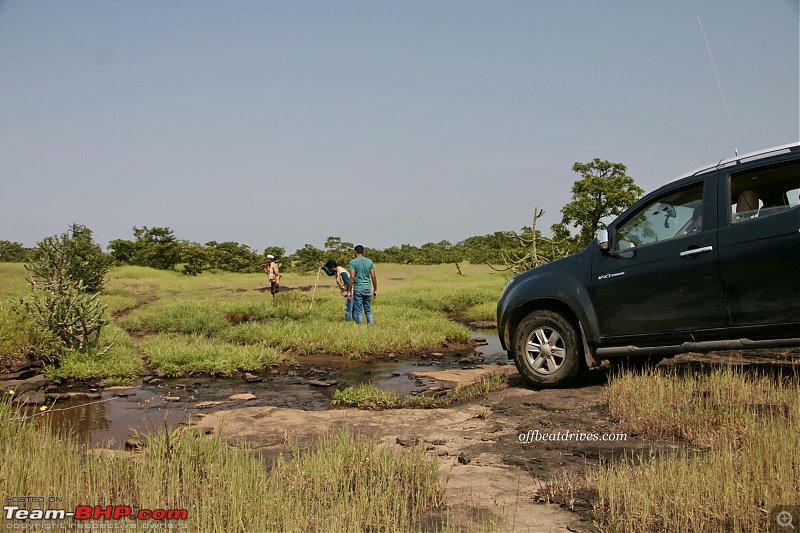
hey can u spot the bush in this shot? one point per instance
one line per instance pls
(66, 275)
(75, 317)
(64, 260)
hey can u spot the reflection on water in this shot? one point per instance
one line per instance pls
(124, 412)
(113, 419)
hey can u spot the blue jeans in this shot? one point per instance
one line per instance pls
(348, 309)
(362, 299)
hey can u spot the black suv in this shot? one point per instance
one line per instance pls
(708, 262)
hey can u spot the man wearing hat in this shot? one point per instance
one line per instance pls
(271, 270)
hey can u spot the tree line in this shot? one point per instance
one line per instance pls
(603, 190)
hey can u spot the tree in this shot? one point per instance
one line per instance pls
(122, 251)
(306, 259)
(604, 190)
(14, 252)
(437, 253)
(156, 247)
(489, 249)
(338, 250)
(232, 256)
(153, 247)
(278, 252)
(195, 258)
(532, 250)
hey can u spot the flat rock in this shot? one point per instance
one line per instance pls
(318, 383)
(407, 441)
(56, 396)
(206, 405)
(22, 374)
(242, 397)
(36, 397)
(84, 396)
(24, 385)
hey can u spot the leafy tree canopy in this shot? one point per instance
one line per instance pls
(14, 252)
(604, 190)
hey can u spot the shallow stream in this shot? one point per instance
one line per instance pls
(123, 412)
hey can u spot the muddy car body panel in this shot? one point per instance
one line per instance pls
(710, 261)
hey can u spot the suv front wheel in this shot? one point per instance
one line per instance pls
(546, 349)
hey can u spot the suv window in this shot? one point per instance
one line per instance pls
(764, 192)
(674, 215)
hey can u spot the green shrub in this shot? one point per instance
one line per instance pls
(21, 336)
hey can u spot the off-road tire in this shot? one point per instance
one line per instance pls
(547, 350)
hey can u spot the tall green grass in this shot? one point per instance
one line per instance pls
(346, 482)
(743, 431)
(20, 336)
(180, 355)
(404, 331)
(13, 280)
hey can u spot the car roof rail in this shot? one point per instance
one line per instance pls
(791, 147)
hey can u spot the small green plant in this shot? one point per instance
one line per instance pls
(370, 396)
(367, 396)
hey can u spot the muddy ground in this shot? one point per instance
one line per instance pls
(490, 458)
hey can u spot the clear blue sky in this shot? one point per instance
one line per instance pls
(382, 122)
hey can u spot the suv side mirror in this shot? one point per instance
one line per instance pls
(602, 239)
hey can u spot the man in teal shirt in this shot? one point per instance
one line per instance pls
(362, 273)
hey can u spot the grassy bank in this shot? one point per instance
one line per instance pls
(738, 433)
(221, 323)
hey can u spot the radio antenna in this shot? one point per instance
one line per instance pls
(719, 83)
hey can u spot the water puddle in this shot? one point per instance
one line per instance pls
(122, 412)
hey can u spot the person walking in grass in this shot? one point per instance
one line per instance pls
(274, 276)
(362, 273)
(342, 281)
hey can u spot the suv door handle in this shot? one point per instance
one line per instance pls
(695, 251)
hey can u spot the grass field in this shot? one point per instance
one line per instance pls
(219, 323)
